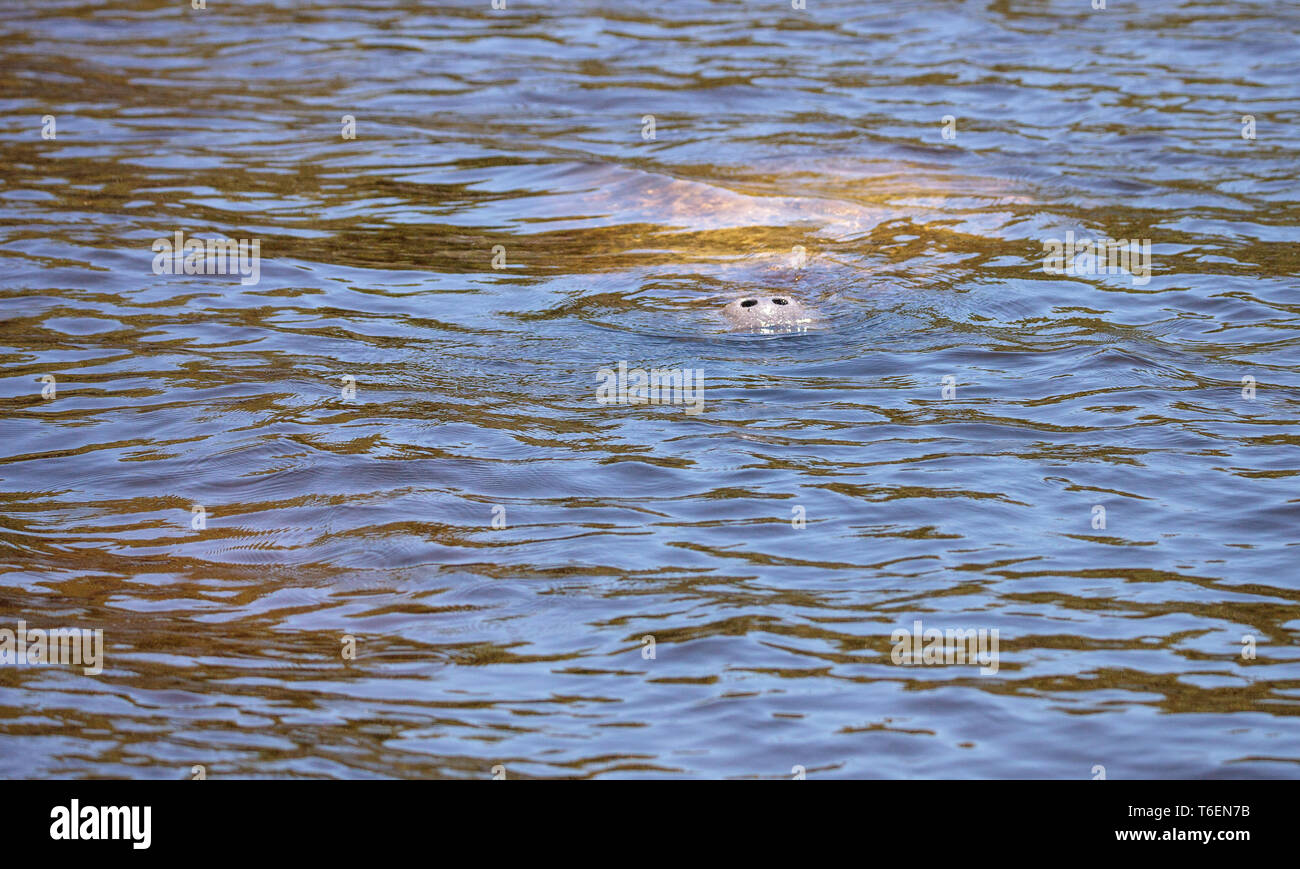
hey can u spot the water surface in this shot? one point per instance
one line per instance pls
(947, 440)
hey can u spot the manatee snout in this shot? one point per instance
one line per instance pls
(763, 313)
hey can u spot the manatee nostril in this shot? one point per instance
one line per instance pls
(749, 303)
(777, 300)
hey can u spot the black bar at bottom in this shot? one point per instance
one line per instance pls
(332, 820)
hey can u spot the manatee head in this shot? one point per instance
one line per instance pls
(768, 313)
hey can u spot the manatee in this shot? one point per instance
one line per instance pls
(768, 314)
(783, 238)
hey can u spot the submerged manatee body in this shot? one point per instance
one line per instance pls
(777, 247)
